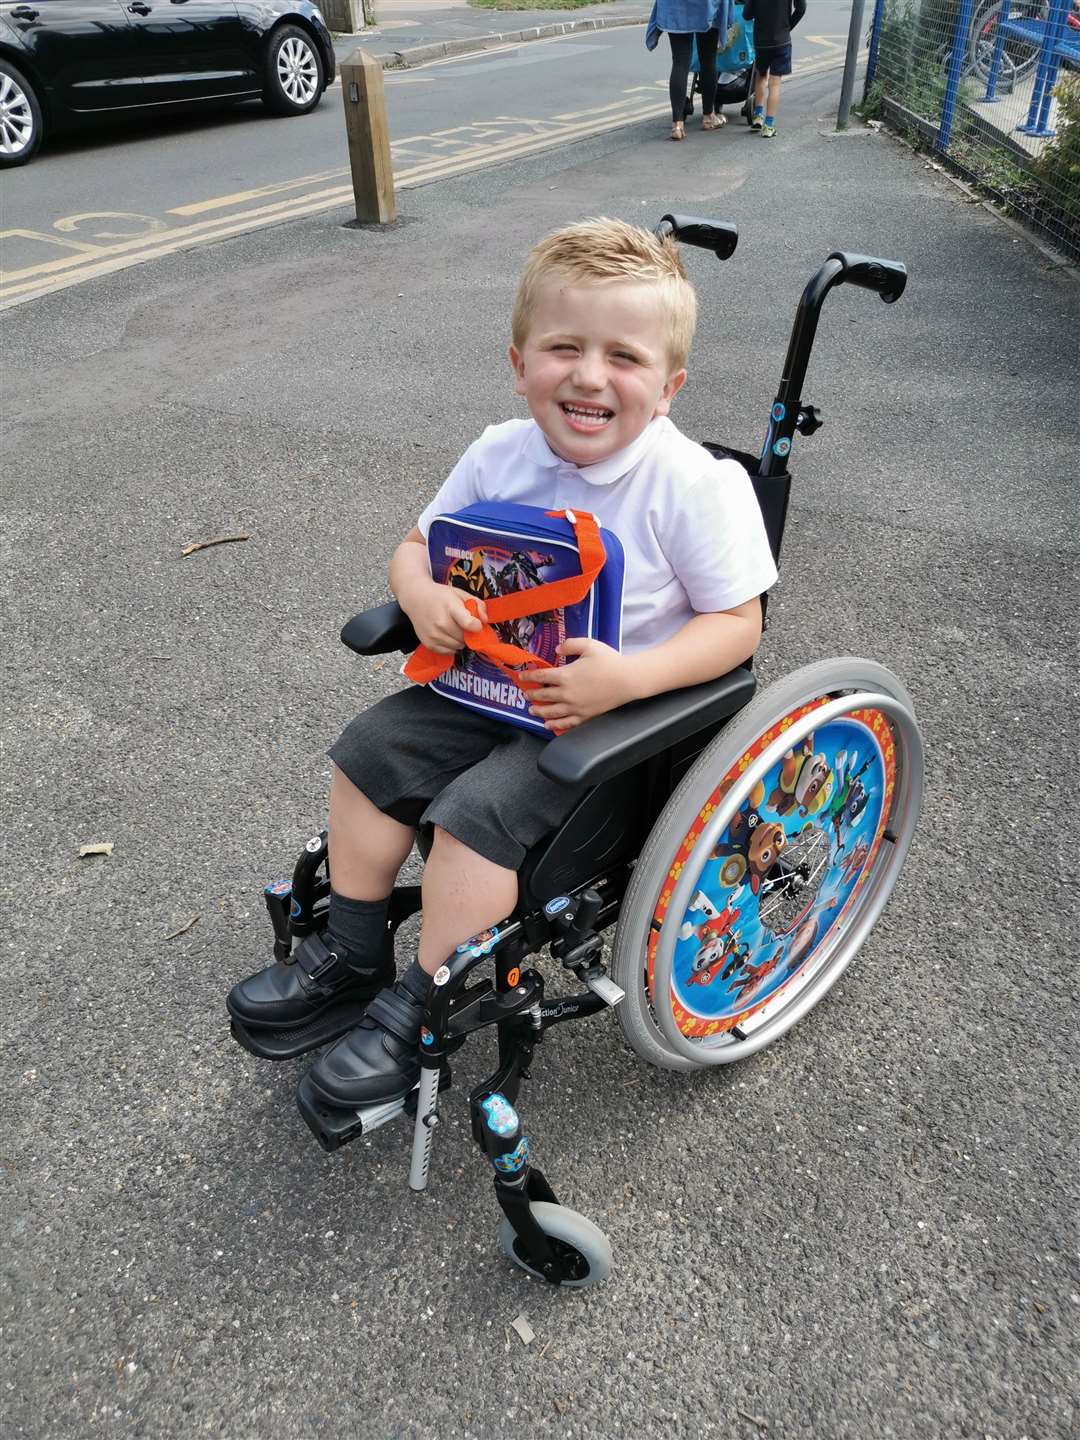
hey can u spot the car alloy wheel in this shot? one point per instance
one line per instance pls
(19, 121)
(298, 71)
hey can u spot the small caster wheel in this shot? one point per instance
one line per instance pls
(573, 1238)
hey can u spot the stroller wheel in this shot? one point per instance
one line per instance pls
(748, 103)
(695, 89)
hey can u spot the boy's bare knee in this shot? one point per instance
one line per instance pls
(442, 839)
(341, 787)
(443, 842)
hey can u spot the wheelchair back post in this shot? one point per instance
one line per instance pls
(886, 278)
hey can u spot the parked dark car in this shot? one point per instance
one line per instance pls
(62, 61)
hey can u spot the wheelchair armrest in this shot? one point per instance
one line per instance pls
(610, 744)
(378, 631)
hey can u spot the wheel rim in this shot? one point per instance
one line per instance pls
(297, 71)
(1017, 56)
(16, 117)
(776, 896)
(577, 1264)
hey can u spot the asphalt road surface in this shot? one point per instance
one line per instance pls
(113, 194)
(868, 1230)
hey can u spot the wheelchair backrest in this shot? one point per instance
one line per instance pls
(772, 492)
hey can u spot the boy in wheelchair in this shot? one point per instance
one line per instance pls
(601, 330)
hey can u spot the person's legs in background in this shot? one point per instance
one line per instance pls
(771, 66)
(680, 70)
(761, 82)
(706, 49)
(772, 105)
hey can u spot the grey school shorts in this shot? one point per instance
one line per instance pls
(425, 760)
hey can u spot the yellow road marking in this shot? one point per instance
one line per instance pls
(221, 201)
(36, 280)
(51, 240)
(148, 222)
(118, 256)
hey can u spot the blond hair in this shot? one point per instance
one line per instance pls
(602, 250)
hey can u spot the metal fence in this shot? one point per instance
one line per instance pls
(993, 86)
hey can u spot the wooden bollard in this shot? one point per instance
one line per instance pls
(368, 139)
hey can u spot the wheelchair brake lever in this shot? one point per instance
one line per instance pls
(578, 944)
(579, 947)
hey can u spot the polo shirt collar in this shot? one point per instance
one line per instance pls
(606, 472)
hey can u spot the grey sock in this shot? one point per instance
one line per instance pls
(416, 981)
(358, 927)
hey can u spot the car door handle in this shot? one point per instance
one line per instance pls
(139, 8)
(24, 12)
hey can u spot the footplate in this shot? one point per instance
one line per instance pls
(333, 1127)
(288, 1043)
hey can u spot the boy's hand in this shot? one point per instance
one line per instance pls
(440, 617)
(599, 679)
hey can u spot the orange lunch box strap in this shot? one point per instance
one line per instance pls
(424, 664)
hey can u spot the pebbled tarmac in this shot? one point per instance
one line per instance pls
(869, 1230)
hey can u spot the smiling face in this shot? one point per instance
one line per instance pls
(595, 367)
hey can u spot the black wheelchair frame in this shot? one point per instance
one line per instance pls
(572, 885)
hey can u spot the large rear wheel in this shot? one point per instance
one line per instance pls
(769, 865)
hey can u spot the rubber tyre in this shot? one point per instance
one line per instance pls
(275, 97)
(570, 1228)
(1018, 61)
(628, 968)
(10, 77)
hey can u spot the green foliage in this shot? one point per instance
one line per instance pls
(913, 54)
(1058, 167)
(913, 51)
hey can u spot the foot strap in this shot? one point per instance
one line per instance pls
(398, 1012)
(320, 967)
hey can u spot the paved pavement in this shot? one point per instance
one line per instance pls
(419, 30)
(869, 1230)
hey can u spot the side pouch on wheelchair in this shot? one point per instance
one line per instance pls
(543, 576)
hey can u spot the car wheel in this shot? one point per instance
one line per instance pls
(20, 117)
(293, 80)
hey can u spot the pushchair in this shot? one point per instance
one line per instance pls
(742, 844)
(734, 69)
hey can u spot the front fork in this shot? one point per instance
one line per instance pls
(518, 1184)
(454, 1010)
(515, 1006)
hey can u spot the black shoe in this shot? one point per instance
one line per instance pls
(299, 991)
(378, 1060)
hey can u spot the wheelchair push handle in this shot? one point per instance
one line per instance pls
(719, 236)
(886, 278)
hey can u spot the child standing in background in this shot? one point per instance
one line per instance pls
(774, 21)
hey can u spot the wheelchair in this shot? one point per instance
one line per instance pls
(742, 844)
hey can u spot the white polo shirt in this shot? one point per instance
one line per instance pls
(690, 526)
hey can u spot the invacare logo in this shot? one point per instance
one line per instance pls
(497, 692)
